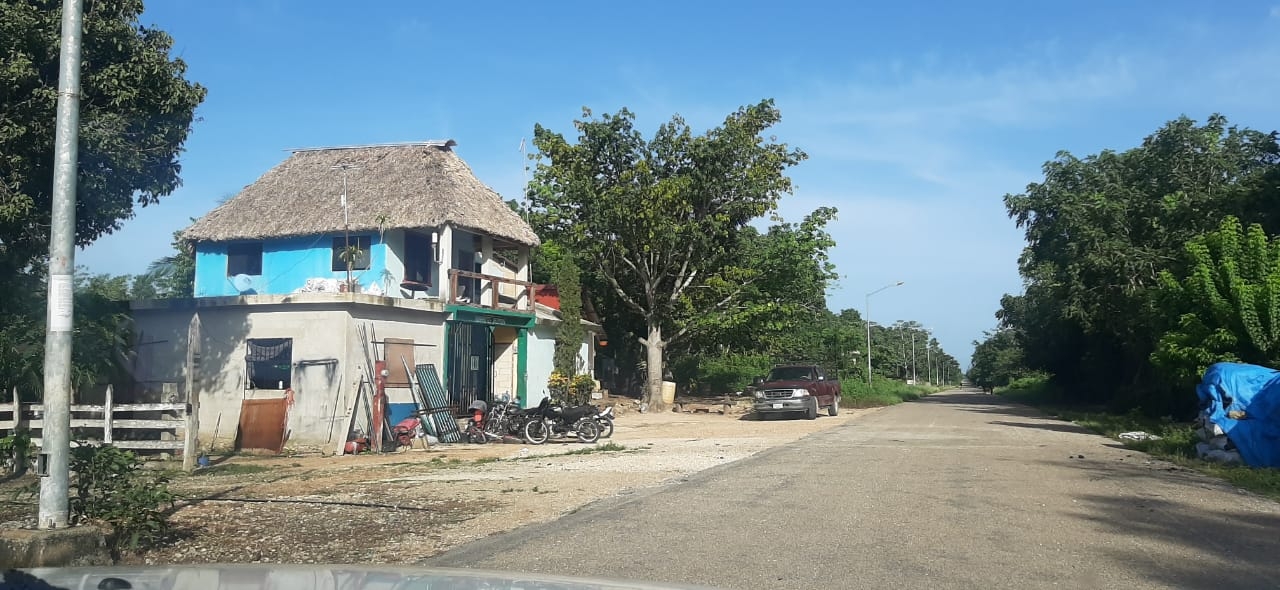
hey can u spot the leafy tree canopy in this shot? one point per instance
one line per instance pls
(657, 217)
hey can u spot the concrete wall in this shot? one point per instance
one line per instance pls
(286, 265)
(327, 356)
(542, 354)
(394, 263)
(395, 255)
(586, 355)
(422, 328)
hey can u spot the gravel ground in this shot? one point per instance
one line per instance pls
(403, 507)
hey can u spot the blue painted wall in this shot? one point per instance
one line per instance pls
(286, 265)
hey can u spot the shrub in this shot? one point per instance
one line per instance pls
(110, 486)
(15, 451)
(572, 391)
(721, 373)
(855, 393)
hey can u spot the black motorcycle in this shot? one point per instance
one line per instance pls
(505, 419)
(605, 419)
(550, 420)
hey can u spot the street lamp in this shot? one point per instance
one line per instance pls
(930, 359)
(867, 320)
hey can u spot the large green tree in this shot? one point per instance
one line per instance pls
(997, 360)
(136, 110)
(657, 217)
(778, 281)
(1226, 305)
(1101, 229)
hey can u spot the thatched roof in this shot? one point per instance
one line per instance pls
(418, 185)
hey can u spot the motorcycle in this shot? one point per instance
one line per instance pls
(548, 421)
(505, 420)
(475, 431)
(605, 419)
(405, 431)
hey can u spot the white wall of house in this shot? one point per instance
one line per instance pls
(421, 327)
(390, 280)
(586, 358)
(324, 392)
(542, 352)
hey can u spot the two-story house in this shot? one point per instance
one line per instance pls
(333, 260)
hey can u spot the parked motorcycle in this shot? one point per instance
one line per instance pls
(505, 419)
(405, 431)
(553, 421)
(605, 419)
(476, 423)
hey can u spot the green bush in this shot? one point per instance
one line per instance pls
(110, 486)
(16, 451)
(855, 393)
(721, 373)
(1034, 390)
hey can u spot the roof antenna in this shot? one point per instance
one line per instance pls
(524, 177)
(346, 220)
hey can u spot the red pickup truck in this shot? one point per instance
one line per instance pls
(794, 389)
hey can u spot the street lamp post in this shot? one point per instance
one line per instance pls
(867, 320)
(914, 378)
(928, 360)
(932, 362)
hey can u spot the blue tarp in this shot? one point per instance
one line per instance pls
(1254, 390)
(398, 412)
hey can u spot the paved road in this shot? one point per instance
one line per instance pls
(959, 490)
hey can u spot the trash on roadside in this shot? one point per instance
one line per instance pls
(1239, 420)
(1207, 452)
(1138, 435)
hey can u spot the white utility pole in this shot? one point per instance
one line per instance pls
(53, 465)
(914, 379)
(866, 319)
(928, 360)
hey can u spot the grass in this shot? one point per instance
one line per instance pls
(882, 392)
(604, 448)
(1177, 443)
(233, 469)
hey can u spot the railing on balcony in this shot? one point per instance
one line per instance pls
(489, 291)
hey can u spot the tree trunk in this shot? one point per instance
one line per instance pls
(653, 364)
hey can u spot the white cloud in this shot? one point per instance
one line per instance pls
(917, 171)
(1027, 92)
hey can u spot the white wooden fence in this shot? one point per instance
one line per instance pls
(177, 431)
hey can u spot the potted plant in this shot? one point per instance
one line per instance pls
(559, 386)
(582, 386)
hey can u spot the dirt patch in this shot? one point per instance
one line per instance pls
(404, 507)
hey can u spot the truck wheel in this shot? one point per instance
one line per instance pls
(811, 413)
(834, 408)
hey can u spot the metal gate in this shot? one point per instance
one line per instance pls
(262, 424)
(470, 363)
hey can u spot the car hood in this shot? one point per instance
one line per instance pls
(792, 384)
(300, 577)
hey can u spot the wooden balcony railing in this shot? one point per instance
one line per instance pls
(489, 291)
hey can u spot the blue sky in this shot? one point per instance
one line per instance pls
(917, 116)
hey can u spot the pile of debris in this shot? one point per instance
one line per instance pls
(1214, 444)
(1239, 419)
